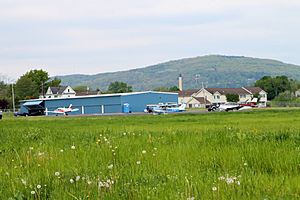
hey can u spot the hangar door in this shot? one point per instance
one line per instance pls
(35, 107)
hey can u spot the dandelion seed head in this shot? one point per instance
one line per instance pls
(73, 147)
(56, 173)
(32, 192)
(144, 151)
(110, 166)
(138, 162)
(229, 180)
(38, 186)
(214, 188)
(71, 180)
(77, 178)
(61, 150)
(23, 181)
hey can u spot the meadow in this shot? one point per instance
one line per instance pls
(235, 155)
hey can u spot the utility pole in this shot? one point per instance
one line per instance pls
(13, 97)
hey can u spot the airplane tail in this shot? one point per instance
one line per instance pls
(182, 107)
(70, 106)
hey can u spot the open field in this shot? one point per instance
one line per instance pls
(237, 155)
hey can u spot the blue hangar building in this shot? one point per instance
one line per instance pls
(99, 104)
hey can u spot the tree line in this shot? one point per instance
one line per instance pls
(35, 83)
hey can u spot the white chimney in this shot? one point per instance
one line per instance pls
(180, 82)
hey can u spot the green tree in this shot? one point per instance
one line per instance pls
(53, 83)
(161, 89)
(25, 88)
(165, 89)
(118, 87)
(232, 97)
(174, 89)
(4, 90)
(275, 85)
(39, 77)
(80, 88)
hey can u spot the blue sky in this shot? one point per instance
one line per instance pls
(95, 36)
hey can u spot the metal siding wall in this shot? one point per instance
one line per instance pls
(138, 102)
(92, 105)
(23, 109)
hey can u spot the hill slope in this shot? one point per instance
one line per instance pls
(213, 71)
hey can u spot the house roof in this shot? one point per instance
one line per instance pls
(187, 93)
(58, 90)
(254, 90)
(202, 100)
(224, 91)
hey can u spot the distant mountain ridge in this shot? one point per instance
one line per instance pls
(212, 71)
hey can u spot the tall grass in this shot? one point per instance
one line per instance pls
(250, 155)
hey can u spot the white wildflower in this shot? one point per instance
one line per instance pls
(221, 178)
(190, 198)
(38, 186)
(71, 180)
(138, 162)
(245, 164)
(73, 147)
(56, 173)
(238, 183)
(41, 153)
(77, 178)
(154, 154)
(229, 180)
(23, 181)
(144, 151)
(106, 185)
(61, 150)
(32, 192)
(110, 166)
(100, 184)
(89, 182)
(155, 149)
(214, 188)
(124, 133)
(31, 148)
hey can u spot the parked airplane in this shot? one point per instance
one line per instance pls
(63, 110)
(234, 106)
(165, 108)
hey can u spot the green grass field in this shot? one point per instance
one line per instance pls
(236, 155)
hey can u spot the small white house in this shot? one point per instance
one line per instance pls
(62, 91)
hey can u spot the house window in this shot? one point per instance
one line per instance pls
(216, 97)
(68, 90)
(242, 96)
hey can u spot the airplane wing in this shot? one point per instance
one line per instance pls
(74, 110)
(55, 112)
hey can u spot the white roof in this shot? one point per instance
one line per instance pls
(100, 95)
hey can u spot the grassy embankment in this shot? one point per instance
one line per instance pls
(249, 155)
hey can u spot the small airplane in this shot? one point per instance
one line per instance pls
(165, 108)
(234, 106)
(63, 110)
